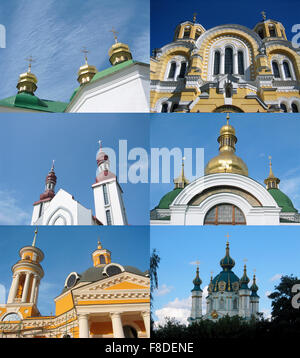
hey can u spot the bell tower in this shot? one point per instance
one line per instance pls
(101, 256)
(27, 274)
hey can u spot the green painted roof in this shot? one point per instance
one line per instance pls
(29, 101)
(228, 276)
(283, 201)
(108, 71)
(167, 199)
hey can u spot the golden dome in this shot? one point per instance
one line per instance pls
(226, 161)
(27, 81)
(86, 72)
(119, 53)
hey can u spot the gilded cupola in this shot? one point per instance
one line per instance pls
(226, 161)
(86, 72)
(27, 81)
(119, 52)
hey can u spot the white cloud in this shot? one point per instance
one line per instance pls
(2, 294)
(266, 312)
(267, 293)
(10, 212)
(178, 309)
(276, 277)
(163, 290)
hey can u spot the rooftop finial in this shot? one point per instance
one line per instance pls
(227, 118)
(34, 239)
(100, 144)
(52, 167)
(194, 17)
(115, 34)
(85, 51)
(99, 244)
(264, 15)
(30, 60)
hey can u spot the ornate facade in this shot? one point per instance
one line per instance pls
(107, 300)
(227, 294)
(229, 68)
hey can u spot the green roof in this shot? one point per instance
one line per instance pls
(106, 72)
(167, 199)
(283, 201)
(228, 276)
(30, 101)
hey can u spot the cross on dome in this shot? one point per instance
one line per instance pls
(30, 60)
(194, 16)
(264, 15)
(85, 51)
(115, 34)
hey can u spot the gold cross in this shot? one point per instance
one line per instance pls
(85, 51)
(194, 16)
(227, 237)
(30, 60)
(115, 34)
(264, 15)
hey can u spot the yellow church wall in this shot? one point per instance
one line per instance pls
(111, 302)
(101, 328)
(126, 286)
(64, 304)
(2, 312)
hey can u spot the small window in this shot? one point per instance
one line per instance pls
(235, 304)
(182, 70)
(272, 31)
(108, 217)
(197, 35)
(174, 107)
(222, 304)
(283, 107)
(261, 33)
(164, 108)
(105, 195)
(276, 72)
(287, 71)
(228, 60)
(187, 32)
(217, 63)
(241, 63)
(102, 259)
(172, 70)
(295, 108)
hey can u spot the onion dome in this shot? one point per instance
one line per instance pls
(27, 81)
(49, 193)
(227, 161)
(282, 200)
(197, 281)
(119, 52)
(269, 29)
(254, 288)
(244, 280)
(227, 263)
(86, 72)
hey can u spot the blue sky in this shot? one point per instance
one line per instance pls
(54, 32)
(167, 14)
(69, 249)
(29, 143)
(259, 135)
(271, 251)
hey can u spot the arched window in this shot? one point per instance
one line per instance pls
(108, 217)
(172, 70)
(105, 195)
(187, 31)
(228, 60)
(294, 108)
(275, 67)
(272, 31)
(164, 107)
(197, 35)
(217, 63)
(174, 107)
(228, 93)
(225, 214)
(129, 332)
(283, 107)
(102, 259)
(261, 33)
(286, 68)
(235, 304)
(182, 70)
(241, 63)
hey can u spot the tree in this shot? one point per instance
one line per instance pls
(282, 309)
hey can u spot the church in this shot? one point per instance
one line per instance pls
(61, 208)
(228, 68)
(227, 294)
(122, 87)
(225, 195)
(107, 300)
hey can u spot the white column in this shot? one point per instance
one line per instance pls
(84, 330)
(281, 70)
(146, 318)
(26, 286)
(117, 325)
(32, 295)
(222, 63)
(14, 288)
(235, 63)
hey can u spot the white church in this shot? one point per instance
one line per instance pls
(62, 209)
(228, 295)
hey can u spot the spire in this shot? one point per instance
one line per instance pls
(254, 287)
(27, 81)
(194, 17)
(119, 52)
(49, 192)
(34, 239)
(227, 161)
(244, 279)
(263, 13)
(197, 281)
(271, 182)
(86, 72)
(181, 181)
(227, 263)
